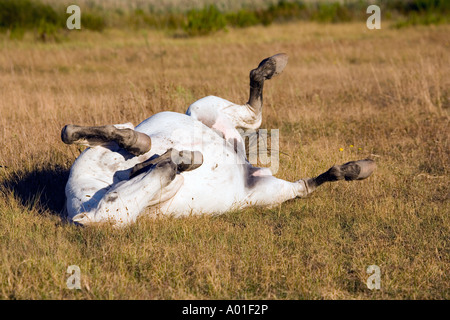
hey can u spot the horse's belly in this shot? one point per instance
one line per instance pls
(217, 185)
(212, 194)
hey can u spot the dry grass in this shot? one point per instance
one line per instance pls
(385, 92)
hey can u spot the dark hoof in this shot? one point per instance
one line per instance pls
(141, 144)
(68, 134)
(368, 166)
(272, 66)
(187, 160)
(358, 170)
(183, 160)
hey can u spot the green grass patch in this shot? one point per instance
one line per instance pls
(19, 16)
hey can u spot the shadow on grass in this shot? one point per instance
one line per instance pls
(42, 188)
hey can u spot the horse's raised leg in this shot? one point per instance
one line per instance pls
(267, 69)
(225, 116)
(353, 170)
(133, 141)
(266, 190)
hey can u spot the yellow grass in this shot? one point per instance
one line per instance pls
(384, 92)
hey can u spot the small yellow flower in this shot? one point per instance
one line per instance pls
(351, 146)
(341, 149)
(359, 148)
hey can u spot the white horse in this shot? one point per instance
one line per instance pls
(183, 164)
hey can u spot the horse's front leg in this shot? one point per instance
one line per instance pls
(126, 137)
(265, 190)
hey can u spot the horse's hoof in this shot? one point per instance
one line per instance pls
(368, 166)
(142, 143)
(183, 160)
(67, 134)
(273, 65)
(358, 170)
(187, 160)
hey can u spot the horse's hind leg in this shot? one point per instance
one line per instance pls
(267, 69)
(266, 190)
(249, 115)
(133, 141)
(353, 170)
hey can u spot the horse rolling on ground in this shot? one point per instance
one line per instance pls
(162, 167)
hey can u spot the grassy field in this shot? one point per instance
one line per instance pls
(346, 94)
(181, 18)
